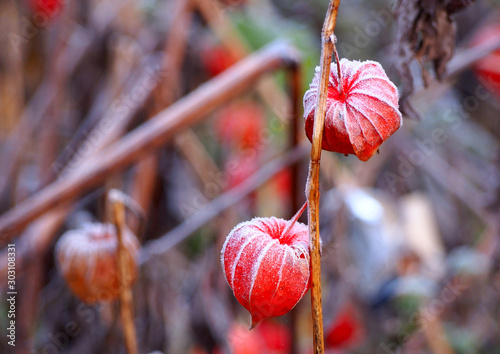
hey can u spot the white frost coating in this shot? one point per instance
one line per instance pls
(229, 237)
(310, 95)
(304, 285)
(248, 229)
(300, 250)
(237, 259)
(256, 266)
(367, 118)
(280, 273)
(244, 233)
(330, 112)
(305, 289)
(366, 113)
(371, 95)
(349, 69)
(263, 256)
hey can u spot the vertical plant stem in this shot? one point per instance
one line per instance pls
(294, 76)
(126, 312)
(312, 188)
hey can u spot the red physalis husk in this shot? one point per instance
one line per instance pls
(361, 116)
(266, 263)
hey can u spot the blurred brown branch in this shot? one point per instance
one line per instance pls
(161, 245)
(149, 136)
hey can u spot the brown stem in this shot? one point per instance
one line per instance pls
(312, 188)
(126, 301)
(339, 73)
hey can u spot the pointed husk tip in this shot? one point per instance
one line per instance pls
(255, 321)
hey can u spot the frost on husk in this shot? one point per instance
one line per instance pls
(361, 117)
(267, 270)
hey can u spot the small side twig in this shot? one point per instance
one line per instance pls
(312, 188)
(126, 301)
(337, 60)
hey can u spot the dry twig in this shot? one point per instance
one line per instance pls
(312, 188)
(126, 300)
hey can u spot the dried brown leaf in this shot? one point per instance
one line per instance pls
(425, 33)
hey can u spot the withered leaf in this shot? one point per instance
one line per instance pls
(425, 34)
